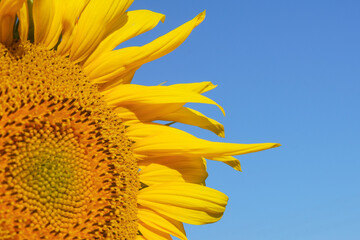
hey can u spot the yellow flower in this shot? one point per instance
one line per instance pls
(81, 156)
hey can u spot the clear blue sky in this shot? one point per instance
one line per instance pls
(288, 72)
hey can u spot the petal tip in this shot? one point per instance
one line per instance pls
(163, 17)
(276, 145)
(201, 17)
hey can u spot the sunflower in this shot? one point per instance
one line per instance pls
(82, 156)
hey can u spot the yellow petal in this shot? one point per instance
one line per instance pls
(192, 117)
(149, 102)
(133, 24)
(150, 233)
(161, 223)
(199, 87)
(47, 16)
(173, 169)
(229, 160)
(184, 202)
(158, 140)
(70, 16)
(24, 21)
(163, 106)
(111, 67)
(132, 107)
(98, 20)
(8, 10)
(125, 114)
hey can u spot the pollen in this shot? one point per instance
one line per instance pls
(66, 165)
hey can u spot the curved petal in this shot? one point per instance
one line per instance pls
(161, 223)
(24, 21)
(229, 160)
(111, 67)
(97, 21)
(69, 19)
(192, 117)
(127, 116)
(150, 233)
(158, 140)
(166, 109)
(185, 202)
(152, 101)
(173, 169)
(47, 16)
(133, 24)
(199, 87)
(8, 10)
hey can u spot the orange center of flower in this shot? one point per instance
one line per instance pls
(66, 166)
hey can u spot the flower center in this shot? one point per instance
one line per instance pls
(66, 166)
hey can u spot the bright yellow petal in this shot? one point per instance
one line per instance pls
(133, 24)
(192, 117)
(150, 102)
(47, 16)
(70, 16)
(165, 108)
(229, 160)
(150, 233)
(158, 140)
(173, 169)
(185, 202)
(8, 10)
(199, 87)
(111, 67)
(127, 116)
(24, 21)
(98, 20)
(161, 223)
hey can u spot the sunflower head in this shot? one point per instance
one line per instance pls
(66, 165)
(82, 155)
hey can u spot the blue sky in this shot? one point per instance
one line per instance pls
(288, 72)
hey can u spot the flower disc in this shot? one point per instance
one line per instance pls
(66, 166)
